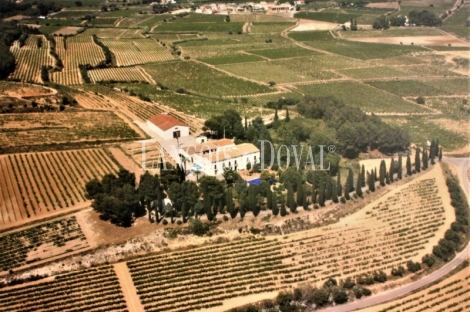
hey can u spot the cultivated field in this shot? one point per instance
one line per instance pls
(37, 185)
(40, 243)
(72, 292)
(117, 74)
(131, 52)
(31, 58)
(19, 132)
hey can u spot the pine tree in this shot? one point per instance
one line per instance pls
(321, 195)
(440, 154)
(363, 176)
(418, 160)
(400, 168)
(275, 208)
(350, 181)
(334, 192)
(339, 189)
(287, 119)
(408, 165)
(382, 172)
(359, 186)
(391, 171)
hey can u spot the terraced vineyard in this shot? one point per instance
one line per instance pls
(451, 294)
(20, 131)
(138, 51)
(117, 74)
(95, 289)
(35, 185)
(41, 243)
(73, 52)
(30, 58)
(200, 78)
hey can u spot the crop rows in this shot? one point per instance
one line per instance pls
(236, 269)
(17, 247)
(116, 74)
(41, 129)
(200, 78)
(95, 289)
(399, 228)
(131, 52)
(34, 184)
(451, 294)
(92, 101)
(30, 58)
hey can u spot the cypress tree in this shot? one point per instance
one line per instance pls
(400, 168)
(436, 152)
(375, 175)
(159, 205)
(246, 123)
(290, 199)
(371, 183)
(387, 178)
(359, 186)
(334, 193)
(391, 171)
(328, 189)
(314, 196)
(287, 119)
(300, 194)
(440, 154)
(408, 165)
(350, 180)
(432, 152)
(269, 198)
(346, 190)
(382, 172)
(283, 208)
(418, 160)
(339, 189)
(276, 116)
(275, 208)
(321, 195)
(214, 207)
(363, 176)
(425, 159)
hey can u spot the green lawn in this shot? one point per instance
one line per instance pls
(365, 97)
(407, 88)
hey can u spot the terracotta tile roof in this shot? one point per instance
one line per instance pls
(165, 121)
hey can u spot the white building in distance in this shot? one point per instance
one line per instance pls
(167, 127)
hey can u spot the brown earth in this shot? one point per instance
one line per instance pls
(418, 40)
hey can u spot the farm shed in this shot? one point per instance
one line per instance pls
(167, 126)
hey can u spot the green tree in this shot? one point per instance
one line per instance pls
(418, 160)
(408, 165)
(287, 119)
(199, 209)
(359, 186)
(334, 196)
(321, 297)
(290, 198)
(371, 183)
(363, 176)
(301, 196)
(350, 180)
(391, 170)
(275, 208)
(321, 194)
(339, 188)
(425, 159)
(440, 154)
(197, 227)
(400, 168)
(283, 207)
(382, 172)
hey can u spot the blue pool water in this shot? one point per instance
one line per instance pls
(255, 181)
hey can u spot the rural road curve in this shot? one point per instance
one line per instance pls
(462, 165)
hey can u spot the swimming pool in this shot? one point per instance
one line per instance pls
(255, 181)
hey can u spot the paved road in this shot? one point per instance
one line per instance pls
(462, 165)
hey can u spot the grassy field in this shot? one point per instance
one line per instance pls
(283, 52)
(365, 97)
(70, 14)
(393, 32)
(453, 85)
(49, 29)
(311, 35)
(200, 78)
(270, 27)
(422, 128)
(456, 22)
(52, 22)
(428, 71)
(407, 88)
(453, 107)
(153, 20)
(231, 59)
(199, 27)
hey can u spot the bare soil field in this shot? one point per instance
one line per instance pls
(384, 5)
(69, 30)
(421, 40)
(306, 25)
(19, 89)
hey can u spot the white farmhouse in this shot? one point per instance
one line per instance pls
(167, 127)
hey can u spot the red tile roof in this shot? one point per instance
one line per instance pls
(165, 121)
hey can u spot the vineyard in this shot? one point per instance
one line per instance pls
(30, 58)
(139, 51)
(35, 185)
(73, 52)
(196, 77)
(402, 226)
(95, 289)
(40, 243)
(451, 294)
(117, 74)
(20, 131)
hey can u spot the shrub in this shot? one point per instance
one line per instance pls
(343, 200)
(284, 298)
(164, 222)
(340, 296)
(197, 227)
(399, 271)
(179, 222)
(413, 266)
(225, 218)
(421, 100)
(428, 260)
(380, 277)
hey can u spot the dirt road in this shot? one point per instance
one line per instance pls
(127, 287)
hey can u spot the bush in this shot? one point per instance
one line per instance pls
(197, 227)
(380, 277)
(284, 298)
(179, 222)
(343, 200)
(164, 222)
(399, 271)
(321, 297)
(421, 100)
(225, 218)
(428, 260)
(340, 296)
(413, 266)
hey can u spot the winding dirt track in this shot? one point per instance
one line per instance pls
(462, 164)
